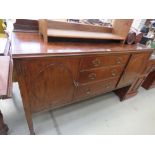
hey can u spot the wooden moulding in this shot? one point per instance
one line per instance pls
(49, 28)
(26, 25)
(121, 27)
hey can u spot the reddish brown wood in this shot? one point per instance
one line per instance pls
(135, 67)
(103, 61)
(31, 45)
(131, 90)
(96, 88)
(26, 25)
(56, 74)
(100, 74)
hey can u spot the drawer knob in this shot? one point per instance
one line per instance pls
(118, 60)
(96, 62)
(113, 73)
(92, 76)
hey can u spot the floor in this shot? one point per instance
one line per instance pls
(101, 115)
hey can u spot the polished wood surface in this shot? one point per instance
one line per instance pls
(136, 67)
(31, 44)
(51, 28)
(121, 27)
(103, 61)
(64, 25)
(27, 25)
(60, 73)
(95, 88)
(80, 34)
(100, 74)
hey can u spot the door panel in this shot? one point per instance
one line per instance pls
(134, 68)
(50, 81)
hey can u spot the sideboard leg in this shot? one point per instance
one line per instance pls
(3, 127)
(29, 122)
(125, 93)
(30, 125)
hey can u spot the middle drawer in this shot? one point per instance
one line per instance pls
(100, 74)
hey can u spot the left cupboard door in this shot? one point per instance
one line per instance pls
(49, 82)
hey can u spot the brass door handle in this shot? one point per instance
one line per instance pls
(107, 85)
(88, 91)
(113, 73)
(96, 62)
(118, 60)
(76, 84)
(92, 76)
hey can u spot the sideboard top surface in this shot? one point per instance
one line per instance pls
(31, 44)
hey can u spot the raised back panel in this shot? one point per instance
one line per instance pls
(121, 27)
(76, 26)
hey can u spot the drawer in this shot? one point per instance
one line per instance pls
(96, 88)
(101, 61)
(100, 74)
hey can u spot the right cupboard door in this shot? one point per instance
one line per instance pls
(134, 68)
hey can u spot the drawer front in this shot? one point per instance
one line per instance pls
(101, 61)
(100, 74)
(96, 88)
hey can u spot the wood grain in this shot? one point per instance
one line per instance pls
(52, 75)
(82, 34)
(51, 28)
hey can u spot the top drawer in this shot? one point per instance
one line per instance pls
(105, 60)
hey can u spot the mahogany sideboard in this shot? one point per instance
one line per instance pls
(55, 74)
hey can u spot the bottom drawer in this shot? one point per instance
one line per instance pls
(96, 88)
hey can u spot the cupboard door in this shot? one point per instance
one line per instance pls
(134, 68)
(50, 81)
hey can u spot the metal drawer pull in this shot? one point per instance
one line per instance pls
(92, 76)
(113, 73)
(76, 84)
(96, 62)
(107, 85)
(118, 60)
(88, 91)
